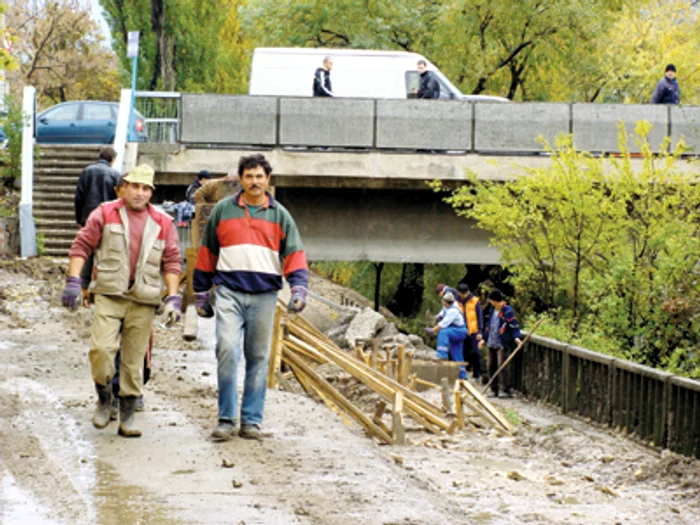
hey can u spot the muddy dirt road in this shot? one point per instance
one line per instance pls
(55, 468)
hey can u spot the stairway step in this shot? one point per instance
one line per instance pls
(57, 179)
(58, 162)
(44, 187)
(52, 235)
(56, 224)
(54, 195)
(55, 213)
(57, 171)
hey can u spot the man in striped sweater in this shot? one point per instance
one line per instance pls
(249, 243)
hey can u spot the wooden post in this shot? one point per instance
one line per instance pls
(375, 354)
(447, 396)
(389, 369)
(398, 428)
(359, 347)
(459, 408)
(401, 375)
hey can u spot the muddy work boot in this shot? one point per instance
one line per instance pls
(251, 431)
(127, 425)
(139, 404)
(100, 419)
(224, 430)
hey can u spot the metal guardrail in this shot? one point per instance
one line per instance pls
(656, 407)
(161, 111)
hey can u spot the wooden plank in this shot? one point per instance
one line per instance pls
(275, 348)
(306, 349)
(340, 357)
(416, 407)
(282, 380)
(483, 415)
(321, 384)
(378, 414)
(425, 383)
(398, 428)
(191, 324)
(490, 409)
(190, 259)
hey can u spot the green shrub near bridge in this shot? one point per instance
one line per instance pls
(611, 254)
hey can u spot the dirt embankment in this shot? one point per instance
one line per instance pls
(57, 469)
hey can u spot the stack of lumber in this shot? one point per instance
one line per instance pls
(301, 347)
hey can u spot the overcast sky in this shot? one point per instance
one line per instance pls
(97, 15)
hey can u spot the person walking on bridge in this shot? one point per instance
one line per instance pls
(502, 334)
(249, 243)
(136, 249)
(322, 79)
(429, 87)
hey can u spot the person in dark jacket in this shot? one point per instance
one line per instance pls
(667, 90)
(202, 176)
(96, 185)
(429, 86)
(501, 335)
(322, 79)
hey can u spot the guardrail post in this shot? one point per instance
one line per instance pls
(661, 424)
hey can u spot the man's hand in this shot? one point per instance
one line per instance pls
(481, 344)
(297, 302)
(517, 341)
(72, 293)
(429, 330)
(203, 305)
(173, 310)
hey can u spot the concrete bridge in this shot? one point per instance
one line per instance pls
(353, 171)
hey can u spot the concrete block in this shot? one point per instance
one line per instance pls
(227, 119)
(424, 124)
(596, 125)
(327, 122)
(516, 127)
(685, 122)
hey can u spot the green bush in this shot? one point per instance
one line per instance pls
(13, 125)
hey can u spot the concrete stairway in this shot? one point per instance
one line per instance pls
(56, 175)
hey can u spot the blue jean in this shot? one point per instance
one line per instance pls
(243, 326)
(449, 343)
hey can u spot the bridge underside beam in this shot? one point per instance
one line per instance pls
(386, 226)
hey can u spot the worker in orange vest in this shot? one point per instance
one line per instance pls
(473, 316)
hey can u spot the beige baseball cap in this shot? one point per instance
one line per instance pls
(141, 174)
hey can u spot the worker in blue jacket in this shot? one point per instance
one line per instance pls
(451, 332)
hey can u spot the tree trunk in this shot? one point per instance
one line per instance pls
(165, 60)
(409, 296)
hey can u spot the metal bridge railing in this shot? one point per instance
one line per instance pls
(161, 111)
(651, 405)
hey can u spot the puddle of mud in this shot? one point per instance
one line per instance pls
(118, 503)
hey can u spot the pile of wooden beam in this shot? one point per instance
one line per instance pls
(301, 347)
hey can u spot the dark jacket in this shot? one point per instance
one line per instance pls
(322, 83)
(429, 87)
(667, 91)
(95, 186)
(508, 326)
(191, 190)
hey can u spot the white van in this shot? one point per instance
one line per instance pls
(356, 73)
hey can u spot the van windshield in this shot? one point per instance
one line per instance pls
(447, 87)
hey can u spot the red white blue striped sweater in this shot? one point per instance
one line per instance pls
(250, 253)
